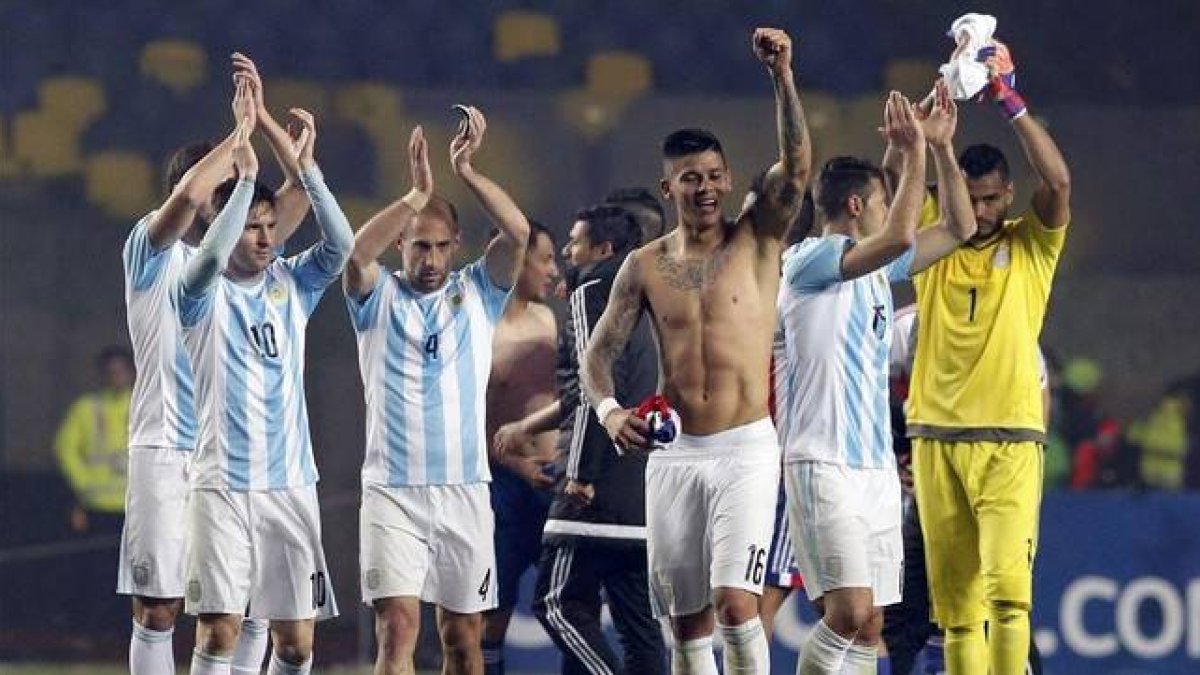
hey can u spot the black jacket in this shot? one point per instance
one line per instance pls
(585, 452)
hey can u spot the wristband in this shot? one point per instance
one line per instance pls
(416, 200)
(1011, 103)
(606, 408)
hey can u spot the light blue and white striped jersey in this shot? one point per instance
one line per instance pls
(246, 342)
(425, 361)
(836, 338)
(162, 413)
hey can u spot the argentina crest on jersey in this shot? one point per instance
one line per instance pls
(880, 305)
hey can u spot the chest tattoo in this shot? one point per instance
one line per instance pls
(689, 275)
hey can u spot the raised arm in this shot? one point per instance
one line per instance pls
(387, 226)
(337, 239)
(625, 304)
(291, 201)
(210, 260)
(900, 226)
(957, 223)
(775, 208)
(505, 252)
(172, 220)
(1051, 199)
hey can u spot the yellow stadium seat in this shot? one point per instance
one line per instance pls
(519, 34)
(46, 145)
(377, 109)
(77, 100)
(119, 183)
(911, 77)
(619, 73)
(179, 65)
(284, 94)
(371, 105)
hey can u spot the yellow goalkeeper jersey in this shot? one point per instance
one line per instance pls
(975, 374)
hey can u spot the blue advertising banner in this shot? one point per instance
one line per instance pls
(1117, 592)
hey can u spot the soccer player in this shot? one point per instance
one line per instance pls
(594, 542)
(975, 406)
(425, 352)
(835, 313)
(162, 417)
(521, 382)
(254, 526)
(644, 207)
(907, 629)
(710, 288)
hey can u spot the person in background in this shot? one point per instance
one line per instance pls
(92, 442)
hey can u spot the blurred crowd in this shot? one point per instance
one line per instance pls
(1093, 447)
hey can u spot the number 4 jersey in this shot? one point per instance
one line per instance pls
(976, 375)
(246, 342)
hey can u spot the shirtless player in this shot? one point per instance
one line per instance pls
(710, 287)
(524, 352)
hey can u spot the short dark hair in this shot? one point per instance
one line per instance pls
(262, 194)
(185, 158)
(112, 353)
(684, 142)
(843, 177)
(643, 206)
(613, 224)
(981, 159)
(536, 229)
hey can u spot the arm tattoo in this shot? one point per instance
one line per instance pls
(625, 303)
(793, 127)
(689, 275)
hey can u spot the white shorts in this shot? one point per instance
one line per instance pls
(259, 553)
(845, 526)
(431, 541)
(710, 506)
(154, 538)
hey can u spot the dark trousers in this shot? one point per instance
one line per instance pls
(567, 602)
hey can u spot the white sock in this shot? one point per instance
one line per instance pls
(746, 649)
(694, 657)
(823, 652)
(207, 664)
(281, 667)
(151, 651)
(251, 647)
(861, 660)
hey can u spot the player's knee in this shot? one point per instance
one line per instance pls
(963, 632)
(294, 653)
(156, 613)
(217, 634)
(847, 619)
(694, 626)
(735, 607)
(1006, 612)
(495, 625)
(871, 631)
(460, 635)
(396, 631)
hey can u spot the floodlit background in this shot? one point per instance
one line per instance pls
(94, 97)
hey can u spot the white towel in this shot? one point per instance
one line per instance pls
(964, 73)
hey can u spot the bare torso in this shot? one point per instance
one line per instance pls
(524, 353)
(715, 317)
